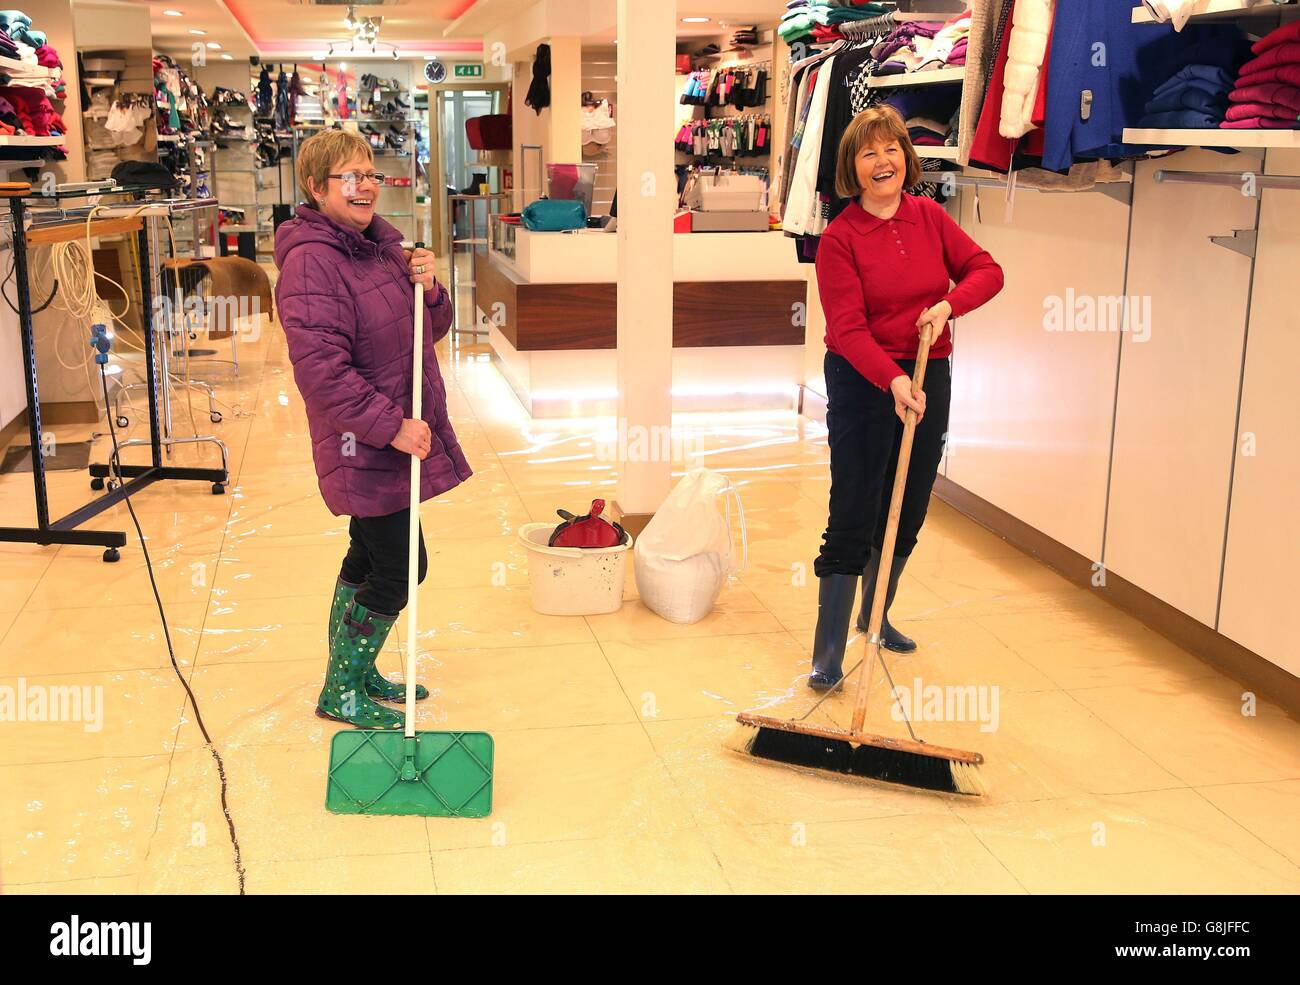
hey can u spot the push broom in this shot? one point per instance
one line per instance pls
(430, 774)
(855, 751)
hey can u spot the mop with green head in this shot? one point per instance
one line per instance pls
(854, 751)
(430, 774)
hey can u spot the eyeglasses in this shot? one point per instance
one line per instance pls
(356, 177)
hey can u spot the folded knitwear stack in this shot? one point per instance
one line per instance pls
(819, 20)
(929, 112)
(948, 48)
(1195, 97)
(1267, 93)
(905, 47)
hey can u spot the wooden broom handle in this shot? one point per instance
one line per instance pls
(891, 535)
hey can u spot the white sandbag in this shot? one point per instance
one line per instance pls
(686, 552)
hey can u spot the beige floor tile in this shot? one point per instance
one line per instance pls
(670, 679)
(976, 586)
(1168, 841)
(532, 687)
(356, 875)
(79, 581)
(126, 713)
(1200, 734)
(78, 820)
(477, 617)
(91, 640)
(1268, 810)
(738, 611)
(1094, 648)
(908, 853)
(684, 864)
(19, 576)
(114, 886)
(573, 784)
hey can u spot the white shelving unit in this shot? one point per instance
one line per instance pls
(13, 66)
(1217, 10)
(1213, 138)
(16, 141)
(937, 77)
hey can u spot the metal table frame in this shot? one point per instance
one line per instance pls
(64, 530)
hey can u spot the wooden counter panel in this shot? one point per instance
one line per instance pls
(551, 317)
(728, 313)
(546, 317)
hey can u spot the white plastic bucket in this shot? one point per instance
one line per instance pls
(573, 581)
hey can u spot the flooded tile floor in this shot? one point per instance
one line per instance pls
(1119, 763)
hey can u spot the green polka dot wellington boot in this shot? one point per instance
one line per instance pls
(360, 637)
(377, 685)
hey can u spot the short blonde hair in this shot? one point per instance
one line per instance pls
(879, 124)
(321, 154)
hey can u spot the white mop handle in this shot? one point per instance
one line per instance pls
(413, 540)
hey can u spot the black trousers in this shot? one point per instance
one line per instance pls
(376, 560)
(864, 435)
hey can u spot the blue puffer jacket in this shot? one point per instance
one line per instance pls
(348, 308)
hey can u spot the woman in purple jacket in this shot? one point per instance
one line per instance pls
(346, 302)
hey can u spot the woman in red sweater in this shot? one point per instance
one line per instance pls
(887, 265)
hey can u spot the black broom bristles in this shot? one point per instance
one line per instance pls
(840, 756)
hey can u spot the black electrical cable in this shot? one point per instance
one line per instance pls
(116, 465)
(35, 311)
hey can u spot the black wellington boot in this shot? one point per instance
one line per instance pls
(835, 595)
(890, 638)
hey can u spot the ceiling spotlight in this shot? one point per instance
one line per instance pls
(214, 45)
(695, 20)
(229, 58)
(172, 13)
(195, 30)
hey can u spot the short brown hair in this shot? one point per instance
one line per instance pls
(320, 154)
(879, 124)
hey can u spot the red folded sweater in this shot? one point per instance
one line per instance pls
(1285, 74)
(1272, 93)
(1260, 123)
(1283, 54)
(1284, 34)
(875, 277)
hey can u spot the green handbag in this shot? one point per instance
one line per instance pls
(553, 215)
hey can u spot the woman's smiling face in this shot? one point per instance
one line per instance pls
(349, 203)
(882, 166)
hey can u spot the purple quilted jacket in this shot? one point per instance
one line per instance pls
(348, 310)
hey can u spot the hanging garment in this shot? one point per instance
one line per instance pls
(265, 97)
(1031, 27)
(296, 89)
(341, 91)
(539, 90)
(802, 209)
(981, 55)
(283, 118)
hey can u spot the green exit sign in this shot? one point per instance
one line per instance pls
(468, 71)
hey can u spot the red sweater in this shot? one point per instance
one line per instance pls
(876, 276)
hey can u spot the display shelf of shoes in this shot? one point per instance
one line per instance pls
(240, 179)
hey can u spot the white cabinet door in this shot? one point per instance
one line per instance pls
(1261, 583)
(1177, 403)
(1032, 407)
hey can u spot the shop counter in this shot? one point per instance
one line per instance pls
(548, 302)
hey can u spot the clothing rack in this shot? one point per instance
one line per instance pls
(1233, 179)
(1120, 191)
(64, 530)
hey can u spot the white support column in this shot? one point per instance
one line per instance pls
(565, 144)
(647, 198)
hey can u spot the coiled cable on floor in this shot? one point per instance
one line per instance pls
(115, 465)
